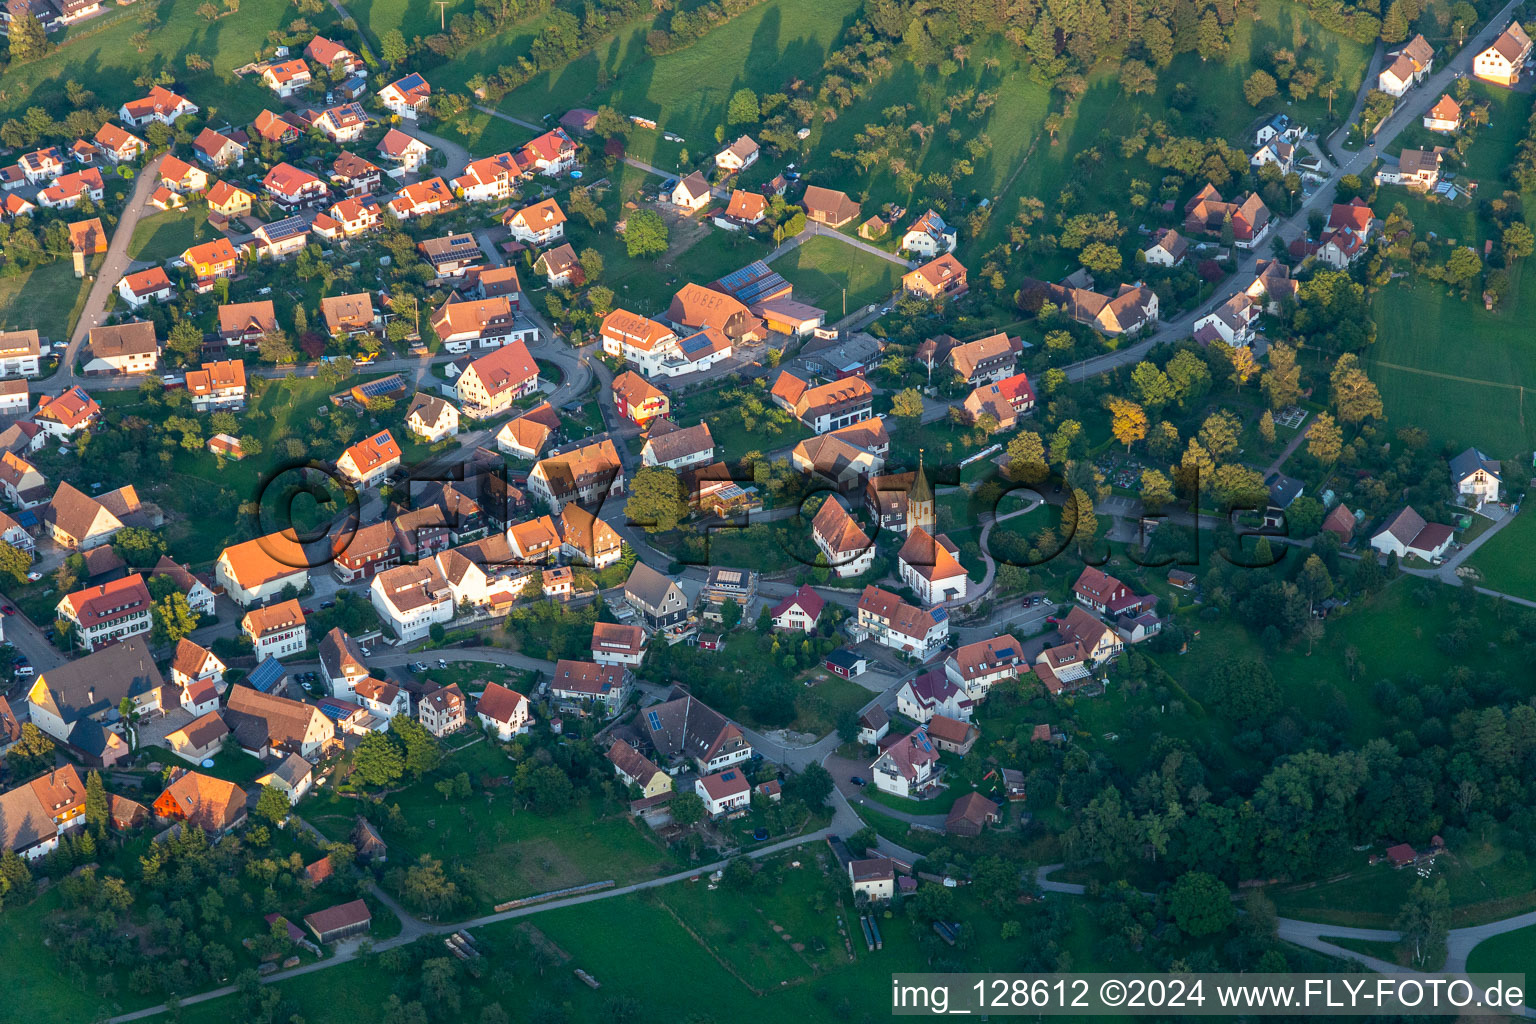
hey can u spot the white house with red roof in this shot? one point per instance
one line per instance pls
(908, 767)
(934, 693)
(979, 666)
(724, 792)
(536, 225)
(503, 711)
(145, 286)
(930, 565)
(67, 189)
(1105, 594)
(406, 150)
(420, 198)
(343, 123)
(329, 54)
(293, 186)
(892, 622)
(1406, 533)
(117, 146)
(160, 105)
(489, 179)
(490, 384)
(108, 612)
(370, 460)
(799, 612)
(407, 96)
(287, 77)
(552, 153)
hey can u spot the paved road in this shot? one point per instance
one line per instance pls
(414, 928)
(813, 229)
(112, 270)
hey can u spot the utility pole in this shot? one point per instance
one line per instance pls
(442, 13)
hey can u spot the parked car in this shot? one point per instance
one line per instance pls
(858, 780)
(33, 576)
(442, 662)
(8, 611)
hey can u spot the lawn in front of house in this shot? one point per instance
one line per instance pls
(48, 298)
(1504, 559)
(822, 269)
(163, 236)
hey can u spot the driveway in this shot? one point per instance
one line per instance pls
(112, 270)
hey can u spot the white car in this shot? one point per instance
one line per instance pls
(442, 663)
(33, 576)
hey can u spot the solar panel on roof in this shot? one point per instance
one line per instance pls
(267, 675)
(727, 776)
(654, 719)
(695, 343)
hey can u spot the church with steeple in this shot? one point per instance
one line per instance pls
(902, 501)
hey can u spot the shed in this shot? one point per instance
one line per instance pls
(340, 921)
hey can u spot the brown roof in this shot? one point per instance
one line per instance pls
(285, 721)
(972, 808)
(832, 205)
(341, 916)
(838, 530)
(1512, 43)
(932, 558)
(587, 677)
(616, 637)
(950, 730)
(585, 532)
(200, 732)
(75, 512)
(189, 658)
(136, 337)
(631, 762)
(682, 442)
(240, 317)
(347, 311)
(507, 367)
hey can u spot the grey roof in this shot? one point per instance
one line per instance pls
(687, 726)
(99, 681)
(647, 586)
(292, 769)
(1470, 461)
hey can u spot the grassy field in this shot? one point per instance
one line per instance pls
(511, 852)
(837, 277)
(96, 55)
(48, 298)
(1432, 384)
(686, 91)
(1513, 952)
(168, 234)
(1505, 560)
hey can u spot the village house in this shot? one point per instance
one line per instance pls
(893, 623)
(970, 815)
(20, 352)
(525, 436)
(638, 770)
(341, 663)
(1444, 116)
(334, 57)
(842, 542)
(228, 200)
(984, 360)
(588, 473)
(684, 728)
(217, 385)
(107, 613)
(349, 315)
(198, 594)
(420, 199)
(292, 776)
(293, 187)
(844, 465)
(1406, 67)
(930, 566)
(182, 177)
(1086, 643)
(902, 502)
(692, 193)
(78, 522)
(489, 385)
(257, 570)
(122, 349)
(77, 703)
(214, 805)
(493, 323)
(1208, 214)
(828, 206)
(409, 152)
(288, 77)
(383, 699)
(343, 123)
(1168, 249)
(743, 210)
(873, 880)
(278, 129)
(443, 710)
(738, 156)
(617, 644)
(560, 267)
(146, 286)
(201, 738)
(587, 540)
(1502, 62)
(370, 460)
(874, 725)
(824, 407)
(909, 767)
(1418, 169)
(933, 693)
(678, 448)
(936, 281)
(159, 105)
(638, 400)
(279, 239)
(1230, 323)
(431, 418)
(1406, 533)
(411, 599)
(696, 310)
(22, 483)
(199, 674)
(1476, 477)
(589, 683)
(266, 725)
(451, 255)
(929, 236)
(724, 792)
(407, 97)
(979, 666)
(117, 146)
(952, 735)
(277, 630)
(537, 225)
(503, 711)
(1006, 401)
(209, 261)
(658, 600)
(799, 612)
(354, 175)
(67, 190)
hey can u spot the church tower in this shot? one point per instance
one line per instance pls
(920, 510)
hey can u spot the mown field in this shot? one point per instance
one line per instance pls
(48, 298)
